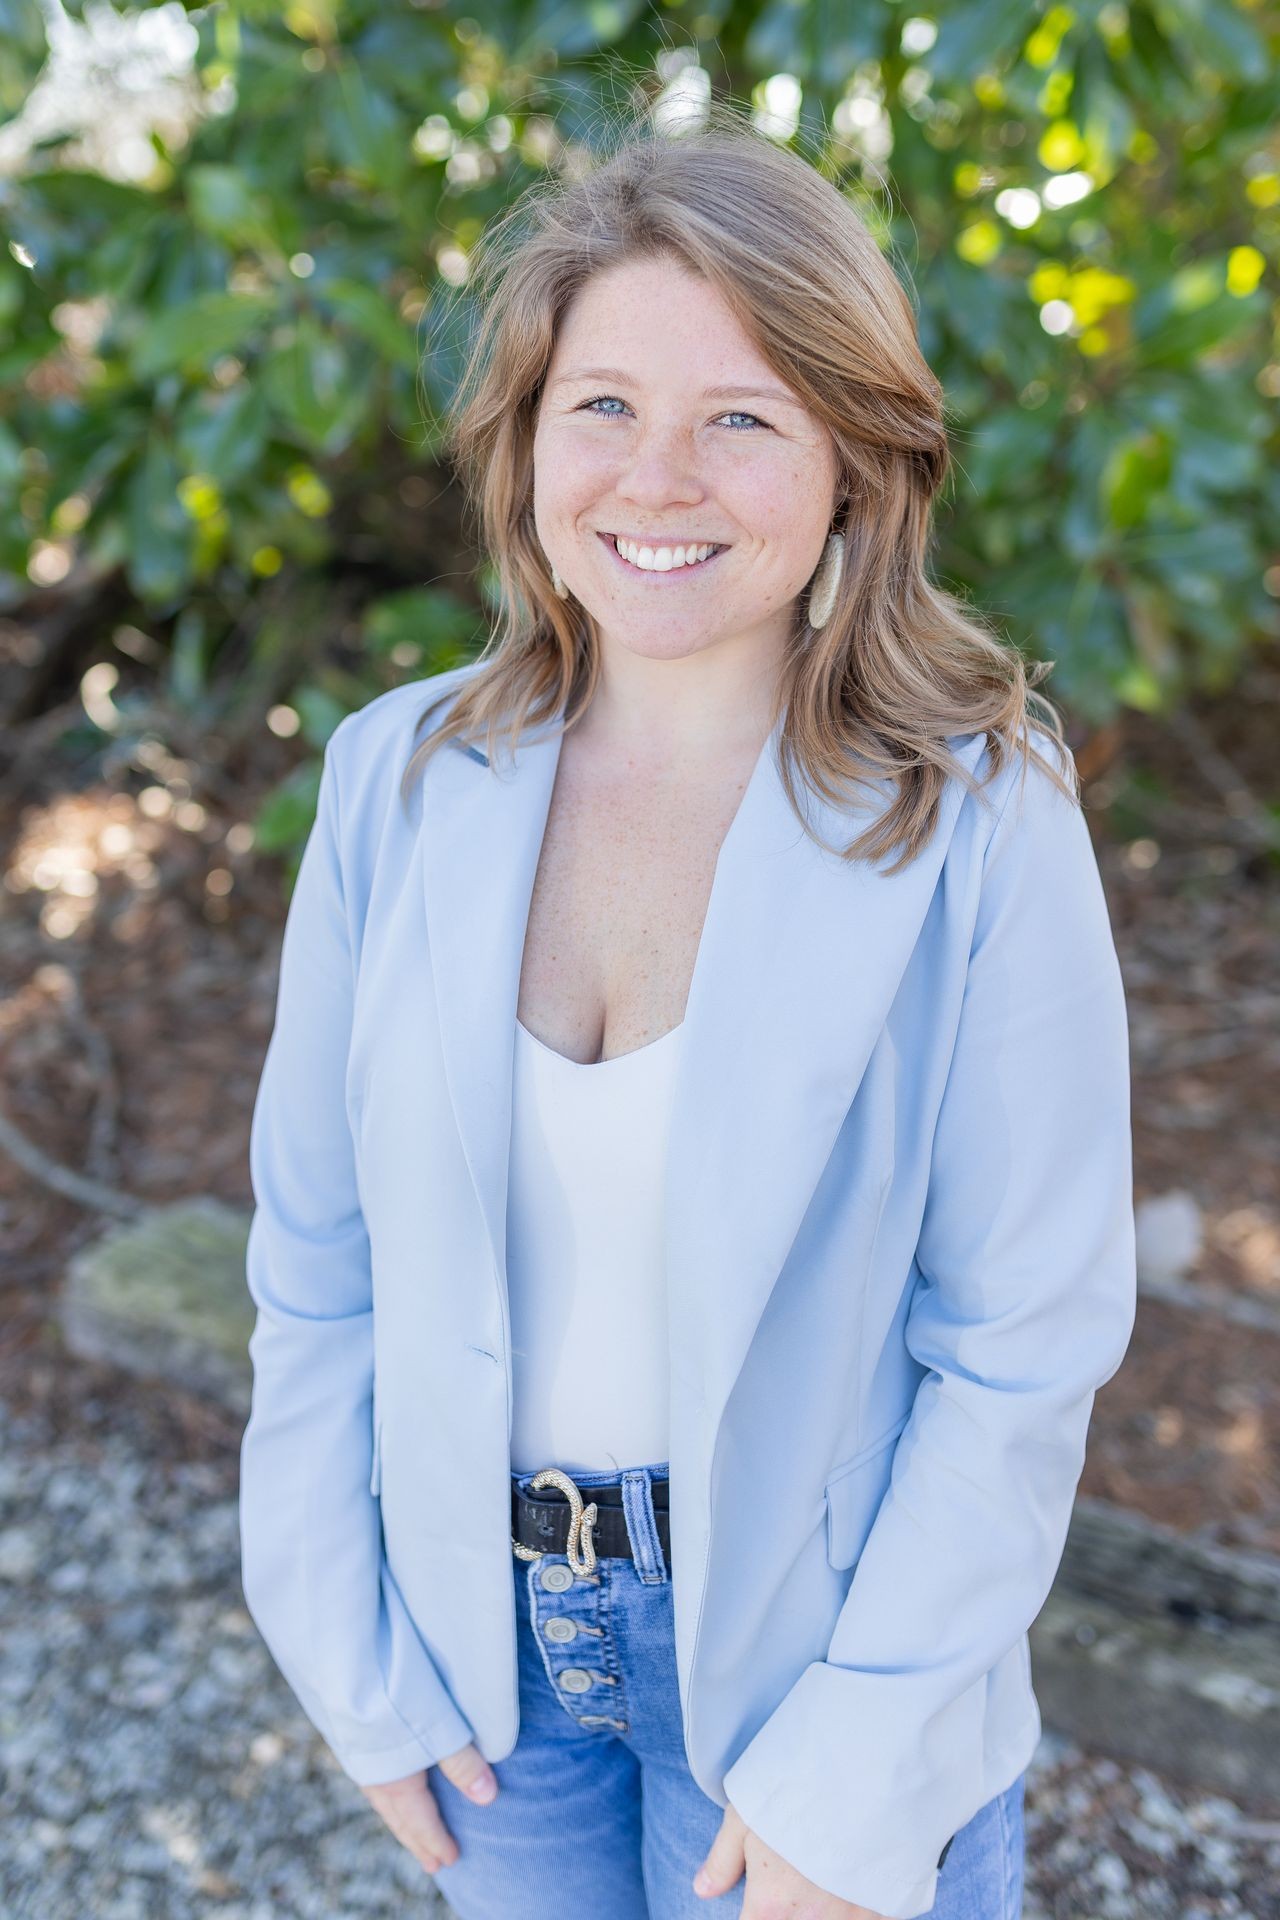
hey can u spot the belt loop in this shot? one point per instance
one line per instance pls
(642, 1525)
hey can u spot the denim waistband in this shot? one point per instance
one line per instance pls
(596, 1477)
(636, 1498)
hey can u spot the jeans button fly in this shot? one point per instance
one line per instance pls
(556, 1578)
(575, 1680)
(560, 1629)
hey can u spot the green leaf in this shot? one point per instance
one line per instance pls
(975, 35)
(1222, 36)
(200, 330)
(224, 434)
(287, 813)
(319, 712)
(1180, 339)
(311, 384)
(820, 41)
(1216, 550)
(370, 134)
(10, 460)
(16, 361)
(22, 51)
(161, 536)
(571, 28)
(410, 58)
(13, 289)
(365, 310)
(223, 204)
(999, 452)
(1135, 472)
(420, 625)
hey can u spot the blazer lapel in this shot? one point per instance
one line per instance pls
(801, 957)
(482, 832)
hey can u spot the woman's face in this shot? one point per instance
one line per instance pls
(660, 422)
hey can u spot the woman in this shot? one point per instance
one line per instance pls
(689, 1239)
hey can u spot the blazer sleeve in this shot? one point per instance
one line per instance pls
(1024, 1306)
(313, 1568)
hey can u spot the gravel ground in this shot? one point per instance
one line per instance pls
(153, 1765)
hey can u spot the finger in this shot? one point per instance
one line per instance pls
(433, 1835)
(468, 1770)
(417, 1823)
(725, 1863)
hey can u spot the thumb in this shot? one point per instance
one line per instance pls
(468, 1769)
(726, 1863)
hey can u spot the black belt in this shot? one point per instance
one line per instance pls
(550, 1519)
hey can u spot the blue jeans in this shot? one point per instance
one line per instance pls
(597, 1814)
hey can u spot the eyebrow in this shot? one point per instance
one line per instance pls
(744, 391)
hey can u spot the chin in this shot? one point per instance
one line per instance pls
(659, 646)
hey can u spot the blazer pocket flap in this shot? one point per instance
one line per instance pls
(854, 1491)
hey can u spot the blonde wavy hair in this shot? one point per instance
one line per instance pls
(900, 665)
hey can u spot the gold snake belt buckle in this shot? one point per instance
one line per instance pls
(581, 1520)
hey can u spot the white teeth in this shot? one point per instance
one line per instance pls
(663, 559)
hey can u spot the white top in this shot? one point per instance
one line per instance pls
(585, 1271)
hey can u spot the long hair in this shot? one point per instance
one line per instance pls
(900, 665)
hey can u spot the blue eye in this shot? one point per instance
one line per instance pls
(601, 399)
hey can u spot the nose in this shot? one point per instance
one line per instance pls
(661, 469)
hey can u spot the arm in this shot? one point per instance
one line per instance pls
(315, 1578)
(1024, 1307)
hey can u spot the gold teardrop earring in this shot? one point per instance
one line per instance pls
(826, 581)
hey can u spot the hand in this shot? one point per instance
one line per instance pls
(408, 1807)
(775, 1890)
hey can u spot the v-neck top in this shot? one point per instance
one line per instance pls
(585, 1271)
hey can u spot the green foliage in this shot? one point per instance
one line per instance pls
(287, 813)
(217, 378)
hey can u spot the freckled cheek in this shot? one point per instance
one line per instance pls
(776, 523)
(799, 507)
(572, 488)
(556, 458)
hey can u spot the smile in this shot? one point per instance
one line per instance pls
(673, 568)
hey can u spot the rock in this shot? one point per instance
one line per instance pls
(1170, 1233)
(1139, 1687)
(165, 1295)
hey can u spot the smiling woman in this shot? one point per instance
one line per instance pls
(671, 472)
(698, 344)
(680, 1301)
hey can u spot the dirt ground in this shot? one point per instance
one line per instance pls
(139, 936)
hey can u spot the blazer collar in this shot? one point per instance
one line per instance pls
(800, 958)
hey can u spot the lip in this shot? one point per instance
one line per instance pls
(672, 573)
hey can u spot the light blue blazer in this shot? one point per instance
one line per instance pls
(900, 1250)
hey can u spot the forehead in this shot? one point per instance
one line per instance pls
(661, 325)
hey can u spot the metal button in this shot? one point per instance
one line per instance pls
(556, 1578)
(560, 1629)
(575, 1680)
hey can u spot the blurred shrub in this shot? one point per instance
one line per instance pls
(221, 379)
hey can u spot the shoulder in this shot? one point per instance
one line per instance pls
(1015, 791)
(364, 763)
(390, 722)
(399, 709)
(1030, 863)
